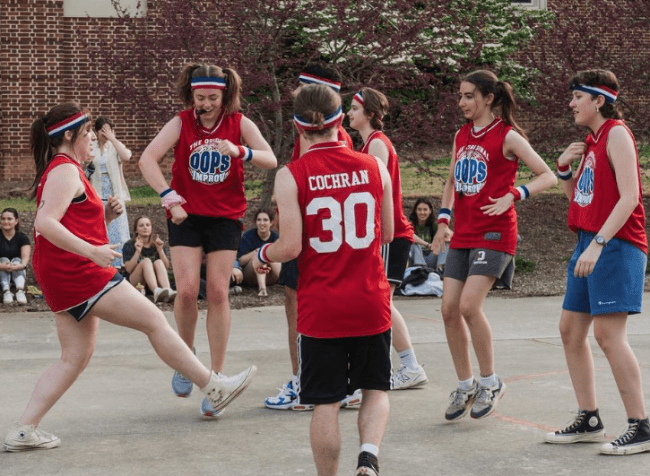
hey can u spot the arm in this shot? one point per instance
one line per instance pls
(379, 149)
(160, 248)
(154, 154)
(289, 245)
(444, 233)
(122, 152)
(25, 252)
(131, 254)
(573, 153)
(387, 212)
(262, 154)
(516, 145)
(622, 156)
(62, 185)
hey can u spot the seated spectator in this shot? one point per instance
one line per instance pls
(146, 263)
(250, 243)
(425, 228)
(15, 249)
(236, 278)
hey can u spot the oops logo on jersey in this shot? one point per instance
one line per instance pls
(584, 192)
(471, 170)
(208, 166)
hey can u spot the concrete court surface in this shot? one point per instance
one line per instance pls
(121, 418)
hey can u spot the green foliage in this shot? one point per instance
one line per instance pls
(523, 265)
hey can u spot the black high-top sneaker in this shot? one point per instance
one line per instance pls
(636, 439)
(586, 427)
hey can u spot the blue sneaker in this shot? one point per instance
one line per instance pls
(181, 385)
(208, 411)
(284, 400)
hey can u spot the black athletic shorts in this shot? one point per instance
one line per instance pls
(331, 369)
(289, 274)
(210, 233)
(80, 310)
(396, 257)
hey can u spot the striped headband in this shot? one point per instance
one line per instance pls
(609, 94)
(359, 97)
(70, 123)
(311, 79)
(330, 121)
(210, 82)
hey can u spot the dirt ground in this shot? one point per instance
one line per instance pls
(546, 245)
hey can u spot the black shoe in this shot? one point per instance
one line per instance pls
(587, 427)
(368, 465)
(636, 439)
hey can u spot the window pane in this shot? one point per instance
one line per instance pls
(100, 8)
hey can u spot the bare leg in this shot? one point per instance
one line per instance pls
(219, 267)
(373, 416)
(77, 341)
(143, 273)
(455, 328)
(401, 336)
(611, 333)
(574, 329)
(186, 262)
(291, 310)
(325, 436)
(162, 277)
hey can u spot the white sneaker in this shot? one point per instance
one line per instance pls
(20, 297)
(353, 400)
(406, 377)
(7, 297)
(222, 390)
(27, 437)
(171, 295)
(160, 295)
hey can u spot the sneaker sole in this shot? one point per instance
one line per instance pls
(284, 406)
(302, 408)
(494, 407)
(628, 450)
(591, 437)
(18, 449)
(355, 402)
(467, 410)
(238, 390)
(415, 384)
(366, 472)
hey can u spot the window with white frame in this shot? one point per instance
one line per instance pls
(101, 8)
(533, 4)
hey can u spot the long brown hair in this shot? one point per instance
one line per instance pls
(375, 106)
(231, 95)
(504, 97)
(43, 145)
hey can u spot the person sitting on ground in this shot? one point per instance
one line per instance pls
(14, 257)
(236, 278)
(146, 262)
(251, 241)
(424, 230)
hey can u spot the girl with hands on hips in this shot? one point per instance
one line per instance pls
(605, 275)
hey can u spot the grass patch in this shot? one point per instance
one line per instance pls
(523, 265)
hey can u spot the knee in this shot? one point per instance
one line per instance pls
(78, 359)
(605, 341)
(469, 310)
(217, 294)
(571, 337)
(450, 313)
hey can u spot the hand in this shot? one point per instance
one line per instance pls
(107, 133)
(158, 243)
(237, 275)
(498, 205)
(138, 244)
(443, 236)
(113, 208)
(178, 214)
(574, 152)
(16, 267)
(225, 147)
(104, 255)
(587, 261)
(259, 267)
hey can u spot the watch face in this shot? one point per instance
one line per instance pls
(600, 240)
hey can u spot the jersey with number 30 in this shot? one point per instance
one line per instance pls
(342, 289)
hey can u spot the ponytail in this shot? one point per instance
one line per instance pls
(232, 94)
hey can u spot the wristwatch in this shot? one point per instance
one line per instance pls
(600, 240)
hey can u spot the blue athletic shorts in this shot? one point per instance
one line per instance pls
(616, 284)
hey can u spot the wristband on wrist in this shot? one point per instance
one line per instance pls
(520, 193)
(165, 192)
(444, 216)
(261, 254)
(245, 153)
(171, 199)
(564, 172)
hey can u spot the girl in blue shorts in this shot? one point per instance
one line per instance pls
(606, 272)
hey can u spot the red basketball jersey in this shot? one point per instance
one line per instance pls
(403, 227)
(343, 136)
(212, 184)
(482, 171)
(595, 193)
(68, 279)
(342, 289)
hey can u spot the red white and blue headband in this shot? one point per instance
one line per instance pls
(609, 94)
(359, 97)
(211, 82)
(330, 121)
(312, 79)
(68, 124)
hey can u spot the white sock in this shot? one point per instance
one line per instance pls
(466, 384)
(407, 358)
(370, 448)
(489, 381)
